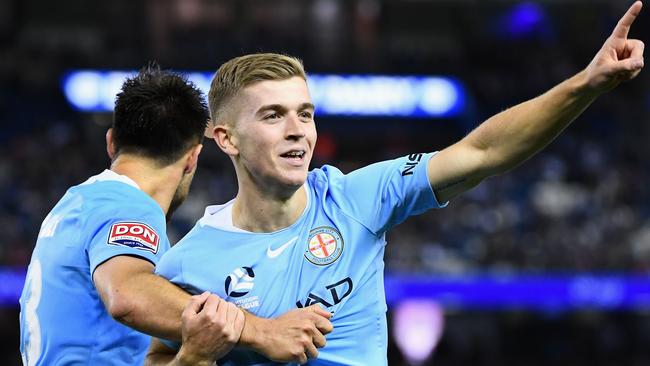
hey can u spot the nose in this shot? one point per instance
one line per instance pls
(294, 127)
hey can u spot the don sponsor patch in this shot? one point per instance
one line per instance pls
(136, 235)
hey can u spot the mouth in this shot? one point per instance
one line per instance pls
(295, 157)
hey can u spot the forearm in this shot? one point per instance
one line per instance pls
(253, 336)
(161, 359)
(154, 306)
(160, 355)
(515, 134)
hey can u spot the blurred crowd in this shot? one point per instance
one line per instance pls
(582, 204)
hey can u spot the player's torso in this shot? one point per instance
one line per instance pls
(63, 320)
(325, 258)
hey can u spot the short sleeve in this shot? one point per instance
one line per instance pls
(137, 231)
(384, 194)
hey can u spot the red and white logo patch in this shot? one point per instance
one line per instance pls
(325, 246)
(136, 235)
(322, 245)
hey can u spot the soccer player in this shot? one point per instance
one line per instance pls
(93, 261)
(292, 238)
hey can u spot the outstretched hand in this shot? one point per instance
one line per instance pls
(620, 59)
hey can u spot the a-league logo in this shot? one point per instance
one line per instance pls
(240, 282)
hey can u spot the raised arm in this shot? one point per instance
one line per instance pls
(512, 136)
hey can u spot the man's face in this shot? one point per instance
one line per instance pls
(182, 191)
(274, 132)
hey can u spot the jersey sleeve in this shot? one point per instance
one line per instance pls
(169, 267)
(133, 230)
(384, 194)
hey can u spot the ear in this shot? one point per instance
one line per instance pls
(209, 129)
(226, 140)
(192, 159)
(110, 144)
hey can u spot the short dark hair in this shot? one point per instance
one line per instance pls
(159, 115)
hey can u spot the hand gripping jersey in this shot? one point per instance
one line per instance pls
(63, 320)
(332, 256)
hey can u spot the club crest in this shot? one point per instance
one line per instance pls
(324, 246)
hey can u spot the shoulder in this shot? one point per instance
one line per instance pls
(198, 245)
(118, 208)
(218, 217)
(325, 176)
(117, 196)
(203, 236)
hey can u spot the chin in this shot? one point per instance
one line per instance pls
(297, 183)
(296, 180)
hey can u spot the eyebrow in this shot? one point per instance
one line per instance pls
(282, 108)
(304, 106)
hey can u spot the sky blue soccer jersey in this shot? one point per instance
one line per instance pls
(332, 255)
(63, 320)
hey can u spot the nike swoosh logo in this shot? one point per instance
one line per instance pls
(272, 253)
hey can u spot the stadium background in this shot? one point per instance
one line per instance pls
(484, 272)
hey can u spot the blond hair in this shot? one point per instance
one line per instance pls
(243, 71)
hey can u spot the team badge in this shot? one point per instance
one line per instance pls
(135, 235)
(325, 246)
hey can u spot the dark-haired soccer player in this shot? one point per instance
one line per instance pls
(292, 237)
(96, 250)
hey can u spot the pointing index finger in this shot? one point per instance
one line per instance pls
(623, 26)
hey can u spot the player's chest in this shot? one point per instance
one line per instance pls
(269, 275)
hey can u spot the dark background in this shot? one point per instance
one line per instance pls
(580, 206)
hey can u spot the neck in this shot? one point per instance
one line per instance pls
(262, 213)
(159, 183)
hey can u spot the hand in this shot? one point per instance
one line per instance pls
(211, 328)
(292, 337)
(620, 59)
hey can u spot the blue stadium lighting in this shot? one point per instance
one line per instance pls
(544, 293)
(82, 90)
(333, 95)
(392, 96)
(12, 280)
(481, 292)
(524, 19)
(93, 91)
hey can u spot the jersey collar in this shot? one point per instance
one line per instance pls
(109, 175)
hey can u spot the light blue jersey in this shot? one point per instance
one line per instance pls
(63, 320)
(332, 255)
